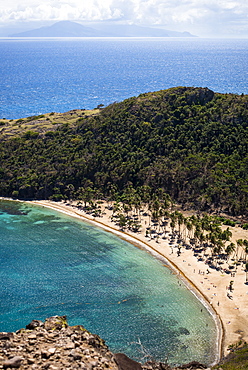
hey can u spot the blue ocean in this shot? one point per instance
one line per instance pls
(53, 264)
(56, 75)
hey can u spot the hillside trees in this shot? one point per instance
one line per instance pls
(189, 142)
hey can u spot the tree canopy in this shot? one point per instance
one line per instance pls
(190, 142)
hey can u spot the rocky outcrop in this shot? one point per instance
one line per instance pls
(54, 345)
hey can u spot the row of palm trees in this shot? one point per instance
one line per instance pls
(204, 234)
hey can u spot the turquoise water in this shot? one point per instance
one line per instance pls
(53, 264)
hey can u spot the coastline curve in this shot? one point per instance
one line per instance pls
(159, 255)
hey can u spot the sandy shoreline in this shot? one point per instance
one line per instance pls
(231, 315)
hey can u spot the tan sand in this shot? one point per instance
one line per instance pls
(231, 314)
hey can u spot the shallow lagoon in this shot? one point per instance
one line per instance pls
(53, 264)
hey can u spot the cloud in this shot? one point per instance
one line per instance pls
(227, 15)
(60, 10)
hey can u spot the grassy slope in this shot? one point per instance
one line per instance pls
(42, 123)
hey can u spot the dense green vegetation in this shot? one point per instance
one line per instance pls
(237, 359)
(189, 142)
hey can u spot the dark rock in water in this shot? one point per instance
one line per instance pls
(183, 331)
(193, 365)
(126, 363)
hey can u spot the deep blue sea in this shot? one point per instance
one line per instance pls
(53, 264)
(56, 75)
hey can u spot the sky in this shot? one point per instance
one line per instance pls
(227, 18)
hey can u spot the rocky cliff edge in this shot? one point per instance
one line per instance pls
(54, 345)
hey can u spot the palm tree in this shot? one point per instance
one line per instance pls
(243, 253)
(137, 204)
(189, 227)
(239, 243)
(165, 222)
(226, 234)
(165, 201)
(116, 208)
(216, 244)
(180, 221)
(245, 243)
(219, 246)
(202, 238)
(197, 232)
(173, 218)
(122, 222)
(184, 230)
(172, 225)
(145, 193)
(205, 222)
(70, 189)
(229, 250)
(246, 273)
(112, 192)
(86, 194)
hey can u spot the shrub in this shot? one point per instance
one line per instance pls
(31, 135)
(229, 222)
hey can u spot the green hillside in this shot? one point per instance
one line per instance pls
(237, 358)
(190, 142)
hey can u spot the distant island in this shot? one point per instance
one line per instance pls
(74, 29)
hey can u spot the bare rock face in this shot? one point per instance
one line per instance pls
(54, 345)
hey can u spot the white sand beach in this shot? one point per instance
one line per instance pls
(231, 308)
